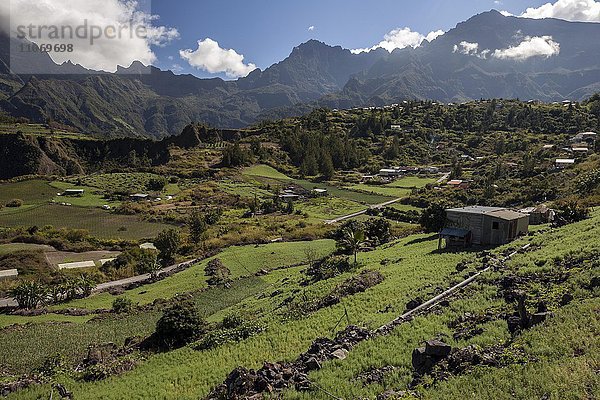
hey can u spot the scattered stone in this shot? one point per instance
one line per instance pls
(391, 394)
(312, 364)
(340, 354)
(566, 299)
(262, 272)
(375, 375)
(540, 317)
(63, 392)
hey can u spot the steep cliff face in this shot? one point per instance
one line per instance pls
(36, 155)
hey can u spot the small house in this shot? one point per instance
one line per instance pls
(539, 215)
(148, 246)
(562, 163)
(390, 172)
(139, 197)
(584, 137)
(73, 192)
(458, 183)
(483, 226)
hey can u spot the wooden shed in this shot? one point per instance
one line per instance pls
(486, 225)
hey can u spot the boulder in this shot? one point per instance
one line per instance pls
(422, 362)
(437, 348)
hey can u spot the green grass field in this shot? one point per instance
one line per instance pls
(31, 192)
(127, 182)
(12, 247)
(41, 130)
(392, 192)
(265, 171)
(324, 208)
(412, 268)
(410, 182)
(98, 222)
(242, 261)
(92, 197)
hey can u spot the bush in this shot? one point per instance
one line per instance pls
(219, 274)
(219, 337)
(179, 325)
(328, 268)
(15, 203)
(122, 305)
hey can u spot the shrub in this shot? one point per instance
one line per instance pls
(179, 325)
(219, 274)
(15, 203)
(219, 337)
(122, 305)
(328, 268)
(569, 211)
(29, 295)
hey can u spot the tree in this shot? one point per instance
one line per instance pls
(167, 242)
(326, 166)
(148, 263)
(179, 325)
(198, 226)
(433, 218)
(157, 184)
(378, 230)
(351, 242)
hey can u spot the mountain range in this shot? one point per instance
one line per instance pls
(488, 56)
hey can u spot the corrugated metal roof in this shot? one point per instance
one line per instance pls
(476, 209)
(507, 215)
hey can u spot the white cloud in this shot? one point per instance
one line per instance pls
(210, 57)
(311, 28)
(569, 10)
(466, 48)
(400, 39)
(107, 51)
(538, 46)
(470, 49)
(176, 68)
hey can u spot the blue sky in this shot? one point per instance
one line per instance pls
(265, 31)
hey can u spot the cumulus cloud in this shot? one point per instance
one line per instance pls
(537, 46)
(569, 10)
(400, 39)
(210, 57)
(128, 31)
(466, 48)
(470, 49)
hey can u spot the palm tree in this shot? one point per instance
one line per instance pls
(351, 241)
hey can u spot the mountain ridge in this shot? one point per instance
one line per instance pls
(145, 101)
